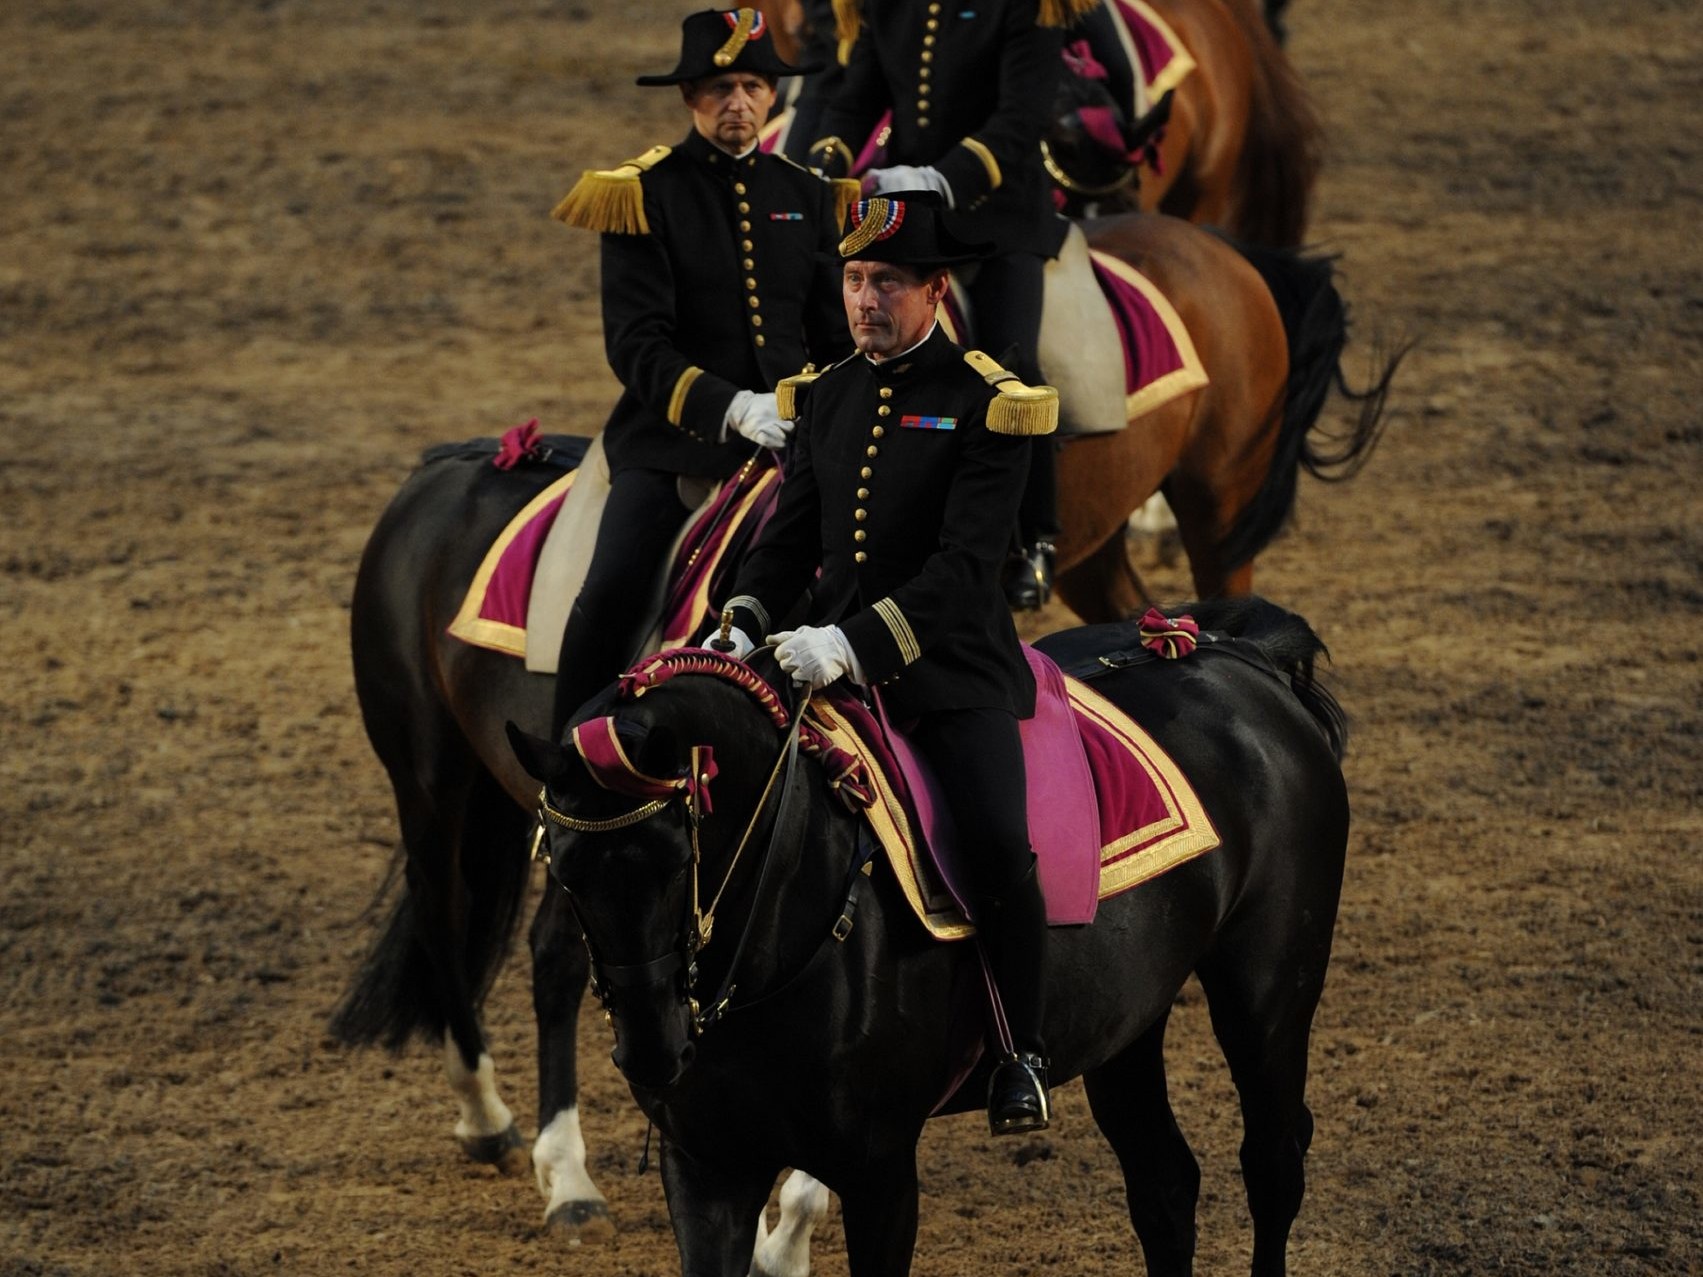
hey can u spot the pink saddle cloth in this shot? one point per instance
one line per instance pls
(1108, 808)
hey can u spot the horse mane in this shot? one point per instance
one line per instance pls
(653, 671)
(1290, 644)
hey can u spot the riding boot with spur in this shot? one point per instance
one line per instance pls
(1028, 576)
(1013, 931)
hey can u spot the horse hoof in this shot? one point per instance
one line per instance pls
(581, 1223)
(506, 1151)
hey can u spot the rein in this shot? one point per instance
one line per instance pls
(698, 935)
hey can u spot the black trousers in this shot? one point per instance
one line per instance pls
(1006, 295)
(643, 516)
(977, 756)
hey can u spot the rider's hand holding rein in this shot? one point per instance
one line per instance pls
(817, 655)
(757, 417)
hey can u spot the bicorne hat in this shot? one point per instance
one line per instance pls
(720, 40)
(905, 228)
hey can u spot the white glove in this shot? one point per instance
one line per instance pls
(817, 655)
(757, 418)
(905, 177)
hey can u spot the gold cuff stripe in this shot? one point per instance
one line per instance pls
(981, 152)
(677, 400)
(736, 42)
(889, 612)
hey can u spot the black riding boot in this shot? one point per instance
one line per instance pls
(592, 654)
(1013, 931)
(1028, 578)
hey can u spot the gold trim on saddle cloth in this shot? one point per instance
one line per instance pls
(701, 596)
(500, 636)
(1181, 63)
(1183, 833)
(891, 824)
(1179, 381)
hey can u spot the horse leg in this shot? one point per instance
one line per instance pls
(575, 1211)
(1263, 1020)
(432, 813)
(1131, 1105)
(1205, 512)
(880, 1214)
(714, 1211)
(1104, 586)
(786, 1251)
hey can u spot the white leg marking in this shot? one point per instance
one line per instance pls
(786, 1251)
(482, 1109)
(558, 1160)
(1153, 517)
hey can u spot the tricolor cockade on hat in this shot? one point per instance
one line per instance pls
(722, 40)
(904, 228)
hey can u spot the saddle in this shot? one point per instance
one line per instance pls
(1111, 343)
(519, 598)
(1108, 808)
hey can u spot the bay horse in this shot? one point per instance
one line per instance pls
(434, 707)
(1241, 143)
(778, 1040)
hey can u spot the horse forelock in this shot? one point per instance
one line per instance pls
(653, 671)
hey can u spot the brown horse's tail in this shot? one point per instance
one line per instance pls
(1315, 320)
(1283, 147)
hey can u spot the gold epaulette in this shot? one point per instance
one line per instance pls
(1018, 409)
(786, 391)
(610, 200)
(847, 191)
(1061, 13)
(847, 22)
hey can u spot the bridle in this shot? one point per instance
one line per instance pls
(680, 963)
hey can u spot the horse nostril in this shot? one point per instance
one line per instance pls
(688, 1053)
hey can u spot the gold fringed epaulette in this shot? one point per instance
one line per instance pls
(1062, 13)
(847, 191)
(787, 391)
(610, 200)
(847, 22)
(1017, 409)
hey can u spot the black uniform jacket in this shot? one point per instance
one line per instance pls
(898, 489)
(971, 85)
(732, 289)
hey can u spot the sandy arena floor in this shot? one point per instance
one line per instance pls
(255, 257)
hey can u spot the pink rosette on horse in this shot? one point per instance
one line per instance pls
(1169, 637)
(518, 443)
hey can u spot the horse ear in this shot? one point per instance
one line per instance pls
(543, 760)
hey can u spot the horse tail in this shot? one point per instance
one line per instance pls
(1283, 147)
(1315, 321)
(460, 872)
(1289, 643)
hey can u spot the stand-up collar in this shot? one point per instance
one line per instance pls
(707, 153)
(932, 352)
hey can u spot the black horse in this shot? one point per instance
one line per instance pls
(708, 1030)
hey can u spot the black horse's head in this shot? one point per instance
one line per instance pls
(643, 809)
